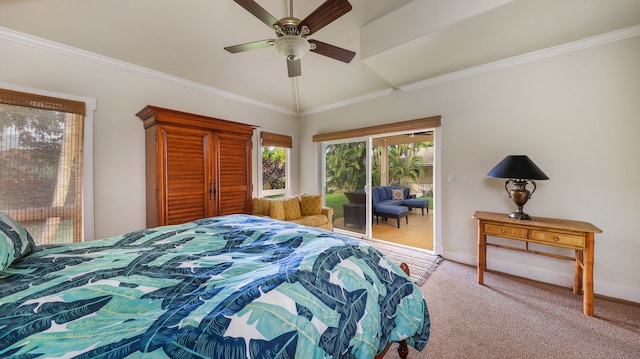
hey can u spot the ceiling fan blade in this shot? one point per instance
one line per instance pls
(331, 51)
(325, 14)
(294, 68)
(258, 11)
(249, 46)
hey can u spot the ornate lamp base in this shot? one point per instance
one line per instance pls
(519, 215)
(519, 194)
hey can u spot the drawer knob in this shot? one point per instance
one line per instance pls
(503, 231)
(556, 238)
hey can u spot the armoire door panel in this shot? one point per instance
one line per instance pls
(233, 154)
(185, 208)
(235, 202)
(187, 154)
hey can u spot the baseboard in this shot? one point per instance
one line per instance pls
(617, 291)
(459, 257)
(542, 275)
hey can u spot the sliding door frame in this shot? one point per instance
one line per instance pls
(437, 205)
(432, 123)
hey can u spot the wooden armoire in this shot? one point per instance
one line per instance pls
(196, 166)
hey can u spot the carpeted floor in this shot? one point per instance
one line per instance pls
(421, 264)
(512, 317)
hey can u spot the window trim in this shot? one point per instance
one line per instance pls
(88, 191)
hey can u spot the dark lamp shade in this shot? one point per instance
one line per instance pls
(517, 167)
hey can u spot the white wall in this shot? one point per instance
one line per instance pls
(577, 116)
(119, 165)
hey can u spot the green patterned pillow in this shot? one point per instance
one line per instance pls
(15, 241)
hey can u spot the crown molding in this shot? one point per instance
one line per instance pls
(47, 45)
(593, 41)
(566, 48)
(569, 47)
(367, 97)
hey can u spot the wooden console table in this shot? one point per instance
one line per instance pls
(575, 235)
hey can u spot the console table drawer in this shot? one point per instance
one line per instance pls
(558, 239)
(498, 230)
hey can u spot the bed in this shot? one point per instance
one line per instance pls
(234, 286)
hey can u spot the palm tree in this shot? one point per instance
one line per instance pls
(403, 164)
(346, 166)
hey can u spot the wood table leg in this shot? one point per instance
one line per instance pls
(482, 253)
(588, 275)
(578, 272)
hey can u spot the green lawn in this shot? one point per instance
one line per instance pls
(336, 201)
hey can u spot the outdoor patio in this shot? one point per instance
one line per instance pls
(418, 233)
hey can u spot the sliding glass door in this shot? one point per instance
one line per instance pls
(406, 161)
(346, 175)
(353, 167)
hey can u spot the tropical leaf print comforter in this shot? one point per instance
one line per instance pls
(225, 287)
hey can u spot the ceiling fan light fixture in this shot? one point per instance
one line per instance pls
(292, 47)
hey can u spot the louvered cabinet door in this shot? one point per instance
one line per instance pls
(232, 169)
(185, 181)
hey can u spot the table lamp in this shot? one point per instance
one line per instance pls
(519, 170)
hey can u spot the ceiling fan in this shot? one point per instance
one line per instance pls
(291, 33)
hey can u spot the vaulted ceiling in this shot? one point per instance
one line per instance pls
(398, 43)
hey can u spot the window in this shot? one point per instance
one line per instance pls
(42, 165)
(274, 164)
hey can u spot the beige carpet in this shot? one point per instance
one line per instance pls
(512, 317)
